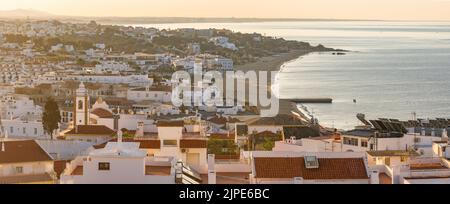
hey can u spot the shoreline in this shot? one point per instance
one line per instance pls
(275, 63)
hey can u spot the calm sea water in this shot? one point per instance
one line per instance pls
(397, 68)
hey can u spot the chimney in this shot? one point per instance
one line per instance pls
(444, 135)
(116, 118)
(119, 139)
(140, 129)
(212, 176)
(375, 177)
(119, 136)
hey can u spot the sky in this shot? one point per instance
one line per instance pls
(329, 9)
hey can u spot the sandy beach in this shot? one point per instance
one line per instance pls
(274, 63)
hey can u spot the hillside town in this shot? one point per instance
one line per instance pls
(112, 92)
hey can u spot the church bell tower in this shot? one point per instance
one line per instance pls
(81, 116)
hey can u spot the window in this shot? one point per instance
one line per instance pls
(35, 131)
(350, 141)
(364, 143)
(11, 129)
(80, 105)
(170, 143)
(24, 130)
(417, 140)
(403, 159)
(19, 170)
(104, 166)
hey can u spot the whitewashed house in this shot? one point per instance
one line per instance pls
(25, 162)
(119, 163)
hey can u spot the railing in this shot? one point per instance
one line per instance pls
(159, 161)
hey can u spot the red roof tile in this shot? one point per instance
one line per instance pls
(170, 123)
(329, 168)
(23, 152)
(102, 113)
(200, 144)
(91, 130)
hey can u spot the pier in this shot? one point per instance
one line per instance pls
(313, 100)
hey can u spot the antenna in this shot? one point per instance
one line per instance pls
(414, 114)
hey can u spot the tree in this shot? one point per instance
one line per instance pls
(217, 146)
(51, 116)
(268, 144)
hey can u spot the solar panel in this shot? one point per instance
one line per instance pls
(382, 125)
(376, 125)
(389, 126)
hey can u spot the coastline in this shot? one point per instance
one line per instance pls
(274, 63)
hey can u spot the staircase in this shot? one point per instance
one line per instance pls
(186, 175)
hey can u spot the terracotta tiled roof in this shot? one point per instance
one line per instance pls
(102, 113)
(329, 168)
(22, 152)
(59, 167)
(174, 123)
(427, 166)
(144, 144)
(91, 130)
(200, 144)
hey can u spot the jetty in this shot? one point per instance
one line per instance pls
(313, 100)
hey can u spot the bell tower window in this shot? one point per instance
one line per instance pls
(80, 105)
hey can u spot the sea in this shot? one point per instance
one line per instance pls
(393, 70)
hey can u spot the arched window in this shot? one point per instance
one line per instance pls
(80, 105)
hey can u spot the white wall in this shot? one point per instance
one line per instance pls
(23, 129)
(28, 168)
(64, 149)
(122, 171)
(264, 128)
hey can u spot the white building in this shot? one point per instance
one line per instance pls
(33, 166)
(20, 129)
(120, 163)
(360, 141)
(194, 48)
(111, 66)
(132, 80)
(13, 106)
(161, 94)
(223, 42)
(83, 129)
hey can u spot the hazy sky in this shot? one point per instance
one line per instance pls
(341, 9)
